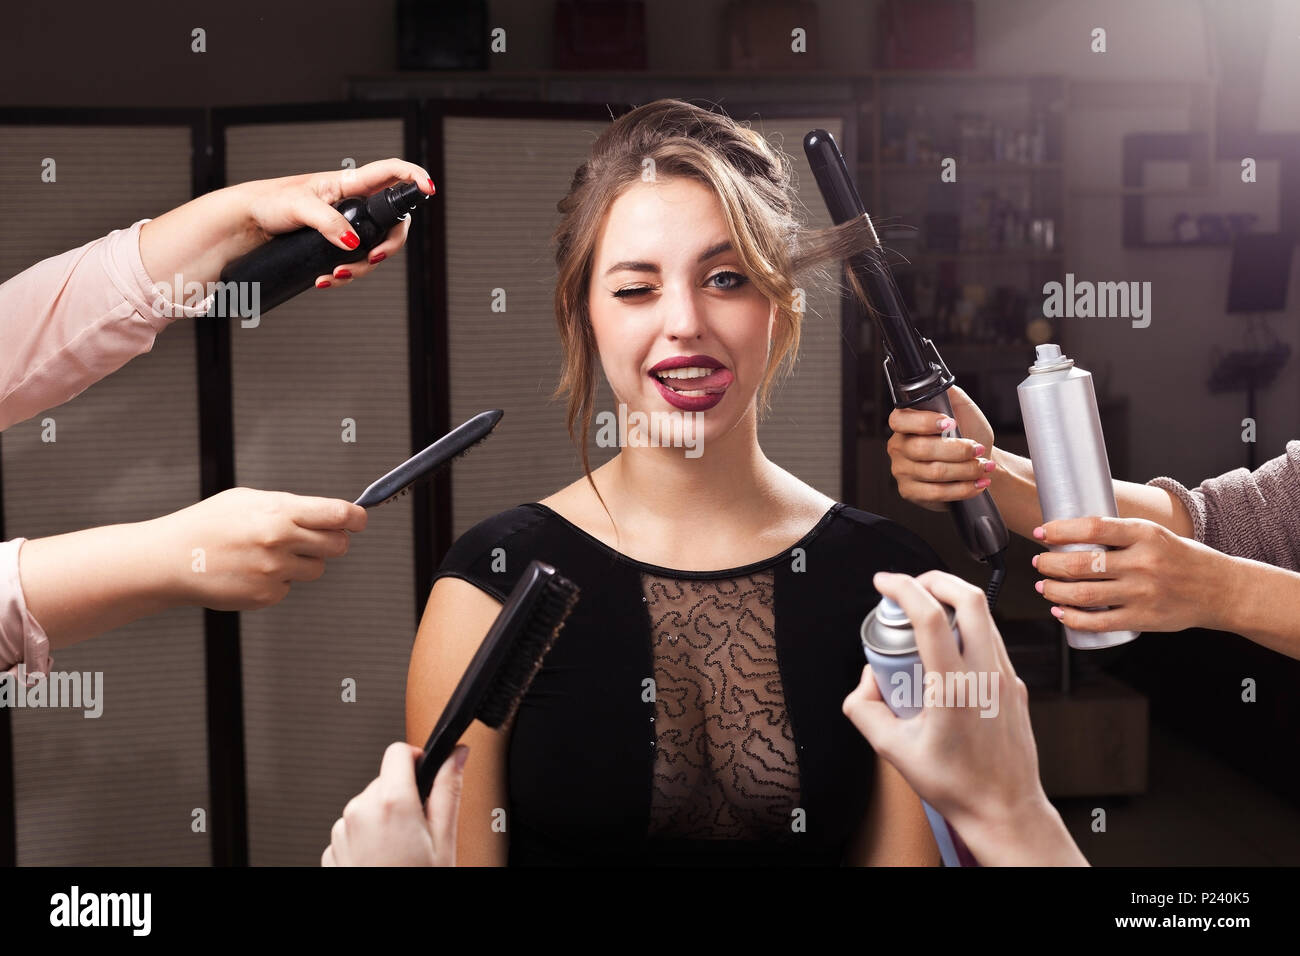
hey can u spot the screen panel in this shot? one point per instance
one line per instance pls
(321, 360)
(499, 219)
(119, 789)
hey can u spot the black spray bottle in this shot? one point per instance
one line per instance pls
(292, 262)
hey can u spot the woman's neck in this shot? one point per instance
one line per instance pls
(732, 477)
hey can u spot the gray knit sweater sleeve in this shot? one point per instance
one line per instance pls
(1251, 514)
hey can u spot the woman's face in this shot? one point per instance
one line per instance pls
(679, 326)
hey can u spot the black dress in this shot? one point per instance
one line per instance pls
(691, 717)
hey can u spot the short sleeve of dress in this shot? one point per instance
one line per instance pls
(494, 553)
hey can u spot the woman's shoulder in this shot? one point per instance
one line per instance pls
(479, 555)
(866, 530)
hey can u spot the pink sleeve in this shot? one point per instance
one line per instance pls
(69, 320)
(22, 640)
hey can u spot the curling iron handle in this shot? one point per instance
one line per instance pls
(978, 520)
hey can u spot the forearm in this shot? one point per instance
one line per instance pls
(1015, 492)
(1033, 836)
(1259, 602)
(196, 241)
(84, 583)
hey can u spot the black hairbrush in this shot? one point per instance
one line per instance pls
(425, 464)
(504, 665)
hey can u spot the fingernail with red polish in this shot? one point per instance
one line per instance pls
(343, 274)
(982, 483)
(350, 240)
(323, 284)
(378, 257)
(990, 465)
(431, 189)
(1039, 587)
(1039, 533)
(979, 449)
(1058, 612)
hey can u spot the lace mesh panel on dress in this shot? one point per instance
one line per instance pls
(725, 764)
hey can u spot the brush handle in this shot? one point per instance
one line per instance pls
(495, 648)
(423, 464)
(436, 751)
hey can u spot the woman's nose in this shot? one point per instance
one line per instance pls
(683, 317)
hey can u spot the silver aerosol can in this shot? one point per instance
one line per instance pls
(890, 646)
(1068, 452)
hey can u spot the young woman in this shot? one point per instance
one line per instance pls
(691, 710)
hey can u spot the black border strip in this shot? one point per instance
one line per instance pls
(227, 777)
(428, 390)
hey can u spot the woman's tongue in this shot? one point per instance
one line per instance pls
(717, 379)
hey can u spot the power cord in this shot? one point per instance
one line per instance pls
(994, 588)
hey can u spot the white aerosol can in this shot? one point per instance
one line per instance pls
(1068, 452)
(890, 645)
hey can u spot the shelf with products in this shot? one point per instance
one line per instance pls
(1012, 121)
(970, 252)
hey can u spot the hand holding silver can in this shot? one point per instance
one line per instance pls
(1071, 468)
(890, 645)
(977, 766)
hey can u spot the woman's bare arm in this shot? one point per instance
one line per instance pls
(456, 619)
(894, 831)
(1016, 496)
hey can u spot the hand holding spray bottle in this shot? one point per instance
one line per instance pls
(1071, 468)
(290, 263)
(890, 645)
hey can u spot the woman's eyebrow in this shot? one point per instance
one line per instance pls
(631, 265)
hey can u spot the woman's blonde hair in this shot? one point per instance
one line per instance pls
(753, 184)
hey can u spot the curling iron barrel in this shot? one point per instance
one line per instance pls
(917, 375)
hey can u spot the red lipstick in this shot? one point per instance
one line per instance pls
(713, 385)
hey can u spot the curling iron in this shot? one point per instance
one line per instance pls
(917, 375)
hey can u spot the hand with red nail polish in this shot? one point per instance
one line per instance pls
(199, 239)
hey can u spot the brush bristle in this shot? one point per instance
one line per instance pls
(516, 673)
